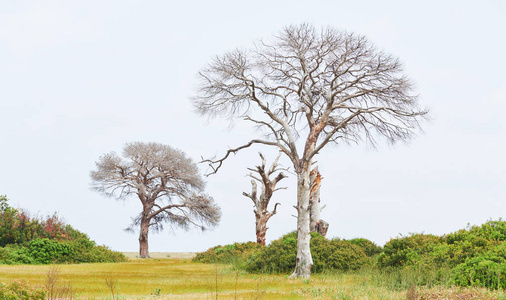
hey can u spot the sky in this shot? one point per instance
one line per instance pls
(82, 78)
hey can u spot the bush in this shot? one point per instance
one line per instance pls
(336, 254)
(20, 290)
(15, 254)
(485, 270)
(27, 240)
(280, 255)
(370, 249)
(476, 255)
(408, 250)
(227, 254)
(46, 251)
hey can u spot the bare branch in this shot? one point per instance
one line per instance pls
(219, 162)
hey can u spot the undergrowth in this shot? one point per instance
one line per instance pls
(29, 240)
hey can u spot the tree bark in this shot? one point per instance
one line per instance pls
(314, 199)
(261, 227)
(304, 260)
(143, 238)
(322, 227)
(316, 224)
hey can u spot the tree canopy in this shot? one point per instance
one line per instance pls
(166, 182)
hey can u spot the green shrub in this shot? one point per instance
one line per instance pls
(485, 270)
(336, 254)
(227, 254)
(475, 256)
(100, 254)
(370, 249)
(26, 240)
(19, 290)
(46, 251)
(280, 255)
(15, 254)
(408, 250)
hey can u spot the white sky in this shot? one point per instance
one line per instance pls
(81, 78)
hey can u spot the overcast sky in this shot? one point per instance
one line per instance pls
(81, 78)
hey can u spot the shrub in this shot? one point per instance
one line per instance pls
(227, 254)
(27, 240)
(20, 290)
(485, 270)
(408, 250)
(336, 254)
(370, 249)
(15, 254)
(476, 255)
(46, 251)
(280, 255)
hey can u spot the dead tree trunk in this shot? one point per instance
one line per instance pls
(261, 224)
(315, 222)
(261, 203)
(304, 260)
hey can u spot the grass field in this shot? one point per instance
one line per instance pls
(179, 278)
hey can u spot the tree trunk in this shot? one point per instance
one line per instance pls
(322, 227)
(261, 228)
(314, 199)
(304, 260)
(316, 224)
(143, 238)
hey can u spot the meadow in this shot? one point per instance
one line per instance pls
(177, 277)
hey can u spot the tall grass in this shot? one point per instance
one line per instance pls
(183, 279)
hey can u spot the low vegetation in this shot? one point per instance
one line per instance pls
(280, 255)
(328, 255)
(475, 256)
(471, 257)
(467, 264)
(28, 240)
(20, 290)
(171, 278)
(228, 254)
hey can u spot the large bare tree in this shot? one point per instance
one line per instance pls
(166, 182)
(261, 201)
(306, 89)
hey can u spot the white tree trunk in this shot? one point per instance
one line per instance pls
(304, 259)
(314, 200)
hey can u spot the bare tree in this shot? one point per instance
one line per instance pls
(328, 87)
(166, 182)
(261, 202)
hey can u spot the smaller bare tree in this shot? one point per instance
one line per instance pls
(167, 183)
(261, 202)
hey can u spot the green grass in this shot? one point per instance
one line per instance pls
(183, 279)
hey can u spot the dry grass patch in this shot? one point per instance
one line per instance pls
(455, 293)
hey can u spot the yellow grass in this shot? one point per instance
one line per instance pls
(182, 279)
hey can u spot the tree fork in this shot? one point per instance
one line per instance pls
(261, 202)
